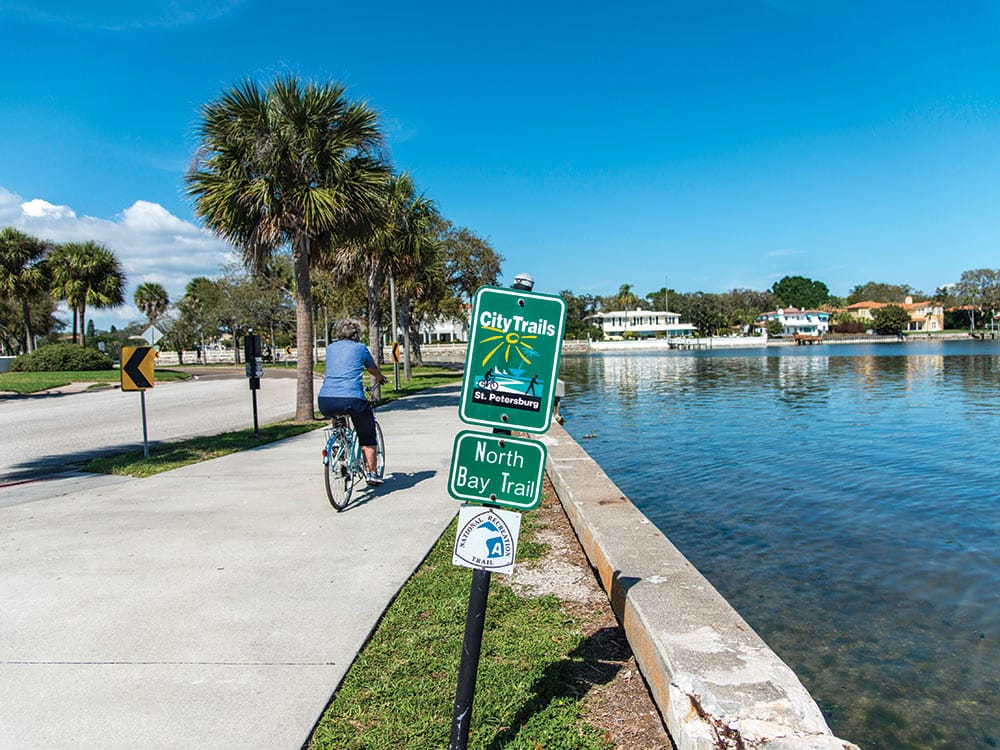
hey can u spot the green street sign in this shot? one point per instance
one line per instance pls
(513, 359)
(497, 469)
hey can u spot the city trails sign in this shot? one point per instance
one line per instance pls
(513, 359)
(497, 469)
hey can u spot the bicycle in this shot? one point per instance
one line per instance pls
(343, 462)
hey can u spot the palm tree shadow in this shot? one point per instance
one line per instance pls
(596, 661)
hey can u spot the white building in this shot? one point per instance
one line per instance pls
(444, 330)
(794, 321)
(641, 323)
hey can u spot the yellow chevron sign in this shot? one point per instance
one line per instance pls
(138, 366)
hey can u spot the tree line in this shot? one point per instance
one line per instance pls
(973, 300)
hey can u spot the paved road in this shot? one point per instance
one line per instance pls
(56, 431)
(214, 606)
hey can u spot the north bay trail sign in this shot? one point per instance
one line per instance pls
(497, 470)
(512, 361)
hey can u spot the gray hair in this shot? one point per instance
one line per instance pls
(349, 329)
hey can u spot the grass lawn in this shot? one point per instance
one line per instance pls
(33, 382)
(423, 378)
(400, 691)
(174, 455)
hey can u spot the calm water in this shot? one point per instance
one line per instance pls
(845, 499)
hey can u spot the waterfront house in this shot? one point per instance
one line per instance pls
(797, 322)
(640, 323)
(446, 329)
(924, 316)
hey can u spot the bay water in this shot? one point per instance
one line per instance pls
(845, 499)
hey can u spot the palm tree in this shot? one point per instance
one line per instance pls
(288, 164)
(86, 273)
(152, 300)
(23, 273)
(398, 242)
(414, 253)
(626, 299)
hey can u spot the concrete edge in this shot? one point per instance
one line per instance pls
(716, 682)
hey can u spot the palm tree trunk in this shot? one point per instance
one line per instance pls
(83, 316)
(374, 317)
(304, 410)
(404, 310)
(29, 337)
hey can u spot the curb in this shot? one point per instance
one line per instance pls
(717, 684)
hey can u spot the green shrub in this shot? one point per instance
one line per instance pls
(62, 358)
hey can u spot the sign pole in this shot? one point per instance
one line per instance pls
(254, 351)
(145, 434)
(472, 644)
(475, 619)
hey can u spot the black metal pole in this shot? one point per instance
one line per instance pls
(145, 432)
(256, 429)
(469, 667)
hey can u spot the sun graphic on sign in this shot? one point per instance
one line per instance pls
(514, 342)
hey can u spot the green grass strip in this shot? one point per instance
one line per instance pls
(33, 382)
(175, 455)
(400, 691)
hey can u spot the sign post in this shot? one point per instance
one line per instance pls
(511, 366)
(138, 367)
(254, 357)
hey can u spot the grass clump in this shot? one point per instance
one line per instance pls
(400, 691)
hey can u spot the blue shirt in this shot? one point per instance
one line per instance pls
(346, 362)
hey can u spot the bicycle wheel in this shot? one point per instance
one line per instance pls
(339, 476)
(379, 451)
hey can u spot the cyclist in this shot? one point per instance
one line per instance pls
(342, 392)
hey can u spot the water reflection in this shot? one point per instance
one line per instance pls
(843, 500)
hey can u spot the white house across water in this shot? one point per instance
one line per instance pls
(641, 323)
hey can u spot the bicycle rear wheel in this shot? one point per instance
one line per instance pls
(339, 476)
(379, 451)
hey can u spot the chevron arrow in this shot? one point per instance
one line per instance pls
(131, 367)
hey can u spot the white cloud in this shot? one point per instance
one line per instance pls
(152, 244)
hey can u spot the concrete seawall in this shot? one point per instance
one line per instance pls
(716, 682)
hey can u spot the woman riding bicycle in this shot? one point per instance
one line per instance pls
(342, 392)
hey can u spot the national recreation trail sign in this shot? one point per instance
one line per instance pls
(513, 359)
(497, 470)
(138, 367)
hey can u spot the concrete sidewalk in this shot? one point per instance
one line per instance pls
(214, 606)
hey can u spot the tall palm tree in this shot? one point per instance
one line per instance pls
(400, 243)
(626, 299)
(288, 164)
(23, 273)
(152, 300)
(86, 273)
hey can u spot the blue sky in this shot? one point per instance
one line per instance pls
(706, 145)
